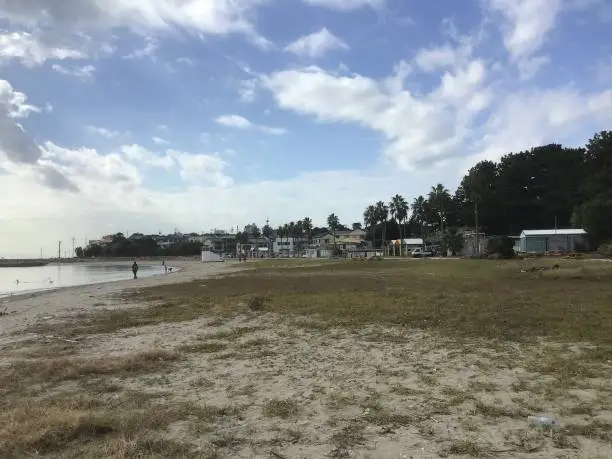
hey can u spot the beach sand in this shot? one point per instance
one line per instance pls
(257, 385)
(29, 309)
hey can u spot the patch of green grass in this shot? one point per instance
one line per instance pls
(347, 438)
(287, 436)
(386, 419)
(594, 430)
(405, 391)
(481, 298)
(254, 343)
(202, 347)
(248, 390)
(456, 397)
(80, 425)
(283, 409)
(171, 310)
(466, 448)
(428, 380)
(482, 386)
(499, 410)
(21, 373)
(231, 334)
(341, 400)
(227, 440)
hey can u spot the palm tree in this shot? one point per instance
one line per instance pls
(418, 211)
(439, 198)
(307, 228)
(382, 215)
(369, 218)
(332, 224)
(399, 211)
(453, 240)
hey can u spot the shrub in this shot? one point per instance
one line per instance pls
(605, 250)
(257, 303)
(502, 246)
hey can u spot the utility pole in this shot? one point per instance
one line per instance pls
(73, 253)
(476, 223)
(59, 250)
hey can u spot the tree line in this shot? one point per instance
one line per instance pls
(145, 246)
(546, 187)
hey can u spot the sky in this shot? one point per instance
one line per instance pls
(156, 115)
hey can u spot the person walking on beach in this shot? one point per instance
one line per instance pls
(165, 266)
(135, 269)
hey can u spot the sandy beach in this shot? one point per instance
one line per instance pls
(28, 309)
(301, 361)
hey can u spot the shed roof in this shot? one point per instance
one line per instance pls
(417, 241)
(554, 232)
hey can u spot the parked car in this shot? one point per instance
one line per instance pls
(420, 253)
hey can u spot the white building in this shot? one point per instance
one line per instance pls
(553, 240)
(286, 246)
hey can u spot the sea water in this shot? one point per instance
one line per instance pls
(21, 280)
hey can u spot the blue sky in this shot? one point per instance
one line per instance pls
(148, 115)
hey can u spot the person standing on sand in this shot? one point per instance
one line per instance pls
(135, 269)
(165, 266)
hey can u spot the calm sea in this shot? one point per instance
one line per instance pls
(19, 280)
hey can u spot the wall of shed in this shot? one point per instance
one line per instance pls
(543, 244)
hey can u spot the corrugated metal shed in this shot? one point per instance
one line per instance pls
(555, 232)
(412, 242)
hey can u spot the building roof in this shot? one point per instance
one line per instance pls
(417, 241)
(554, 232)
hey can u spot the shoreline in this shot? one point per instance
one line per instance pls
(22, 311)
(4, 297)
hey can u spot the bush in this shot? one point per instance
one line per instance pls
(257, 303)
(605, 250)
(501, 246)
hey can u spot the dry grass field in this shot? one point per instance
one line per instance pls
(305, 359)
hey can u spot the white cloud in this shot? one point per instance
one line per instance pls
(141, 156)
(236, 121)
(272, 130)
(528, 118)
(528, 24)
(87, 168)
(84, 73)
(417, 127)
(317, 44)
(19, 153)
(15, 144)
(103, 132)
(160, 141)
(186, 61)
(199, 168)
(215, 17)
(240, 122)
(347, 5)
(442, 57)
(193, 168)
(148, 50)
(31, 50)
(15, 102)
(248, 90)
